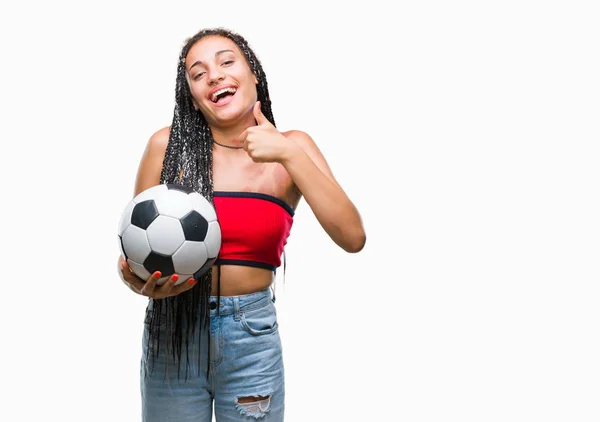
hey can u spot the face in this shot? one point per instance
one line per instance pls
(222, 84)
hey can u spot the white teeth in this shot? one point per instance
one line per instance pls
(221, 91)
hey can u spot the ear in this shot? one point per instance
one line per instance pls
(255, 79)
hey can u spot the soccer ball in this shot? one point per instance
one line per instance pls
(172, 229)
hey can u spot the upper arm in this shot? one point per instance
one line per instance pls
(308, 145)
(150, 167)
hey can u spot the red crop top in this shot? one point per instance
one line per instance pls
(254, 228)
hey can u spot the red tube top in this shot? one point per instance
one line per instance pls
(254, 228)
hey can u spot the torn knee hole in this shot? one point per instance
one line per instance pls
(254, 405)
(242, 400)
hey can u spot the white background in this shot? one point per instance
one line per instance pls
(465, 132)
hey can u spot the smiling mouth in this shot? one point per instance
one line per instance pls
(217, 96)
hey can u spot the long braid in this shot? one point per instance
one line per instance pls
(189, 161)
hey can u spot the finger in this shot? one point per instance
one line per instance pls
(122, 265)
(167, 287)
(241, 138)
(185, 285)
(150, 284)
(261, 119)
(134, 282)
(125, 265)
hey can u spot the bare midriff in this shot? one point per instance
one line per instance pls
(240, 280)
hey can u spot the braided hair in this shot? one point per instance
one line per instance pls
(188, 161)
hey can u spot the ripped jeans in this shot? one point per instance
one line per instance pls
(245, 378)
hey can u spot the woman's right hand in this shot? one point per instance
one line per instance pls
(149, 288)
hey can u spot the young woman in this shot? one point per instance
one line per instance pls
(215, 339)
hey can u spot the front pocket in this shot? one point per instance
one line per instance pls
(260, 321)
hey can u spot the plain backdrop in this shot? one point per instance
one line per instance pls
(465, 132)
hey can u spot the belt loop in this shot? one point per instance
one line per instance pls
(236, 308)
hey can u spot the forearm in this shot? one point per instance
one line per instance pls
(331, 206)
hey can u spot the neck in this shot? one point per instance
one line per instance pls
(226, 135)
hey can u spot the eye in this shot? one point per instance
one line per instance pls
(198, 76)
(228, 62)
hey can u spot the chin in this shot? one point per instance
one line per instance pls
(231, 113)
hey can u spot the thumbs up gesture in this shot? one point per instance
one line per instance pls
(263, 142)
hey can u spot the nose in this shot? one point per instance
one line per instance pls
(215, 76)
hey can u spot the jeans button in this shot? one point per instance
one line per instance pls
(213, 305)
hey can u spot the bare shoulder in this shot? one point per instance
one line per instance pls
(150, 166)
(309, 146)
(302, 138)
(159, 139)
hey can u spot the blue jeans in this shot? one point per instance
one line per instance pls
(245, 361)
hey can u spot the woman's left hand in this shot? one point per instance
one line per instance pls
(263, 142)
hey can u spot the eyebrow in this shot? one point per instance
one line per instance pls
(216, 54)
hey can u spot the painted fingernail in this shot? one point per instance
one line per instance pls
(157, 274)
(192, 281)
(175, 278)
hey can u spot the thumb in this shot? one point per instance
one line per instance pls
(241, 138)
(258, 114)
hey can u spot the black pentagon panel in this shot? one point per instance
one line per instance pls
(158, 262)
(204, 268)
(194, 226)
(122, 248)
(180, 187)
(143, 214)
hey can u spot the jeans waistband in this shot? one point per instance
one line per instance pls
(233, 304)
